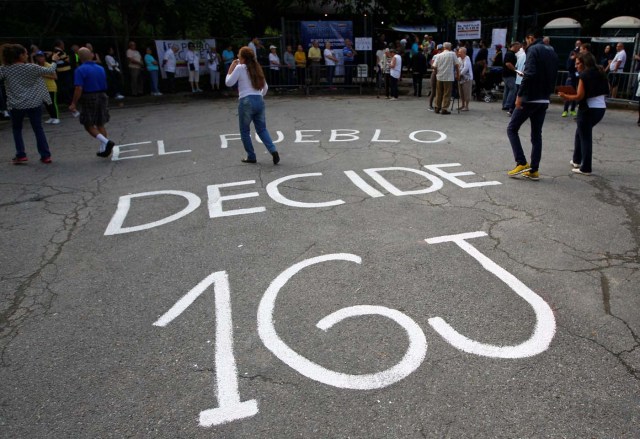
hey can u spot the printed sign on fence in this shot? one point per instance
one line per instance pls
(468, 30)
(332, 31)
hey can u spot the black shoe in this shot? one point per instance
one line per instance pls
(276, 157)
(107, 149)
(445, 112)
(246, 160)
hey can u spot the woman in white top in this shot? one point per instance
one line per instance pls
(274, 66)
(114, 76)
(193, 62)
(247, 73)
(214, 68)
(330, 62)
(395, 70)
(466, 79)
(592, 91)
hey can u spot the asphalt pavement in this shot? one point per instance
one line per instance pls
(385, 280)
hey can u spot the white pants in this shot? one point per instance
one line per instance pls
(215, 78)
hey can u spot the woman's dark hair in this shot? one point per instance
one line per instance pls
(590, 63)
(253, 68)
(587, 60)
(11, 53)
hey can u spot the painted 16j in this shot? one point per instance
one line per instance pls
(231, 407)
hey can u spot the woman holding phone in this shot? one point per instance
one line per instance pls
(592, 90)
(252, 86)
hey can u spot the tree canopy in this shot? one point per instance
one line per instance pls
(123, 19)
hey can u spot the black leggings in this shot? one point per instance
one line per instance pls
(52, 108)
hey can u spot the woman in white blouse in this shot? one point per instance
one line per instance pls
(247, 73)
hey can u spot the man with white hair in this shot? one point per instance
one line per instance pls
(90, 82)
(169, 66)
(447, 69)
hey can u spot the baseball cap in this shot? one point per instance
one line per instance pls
(39, 53)
(272, 47)
(440, 46)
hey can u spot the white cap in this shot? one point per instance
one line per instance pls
(272, 47)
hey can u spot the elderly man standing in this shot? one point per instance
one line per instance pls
(447, 69)
(315, 57)
(90, 82)
(169, 66)
(135, 67)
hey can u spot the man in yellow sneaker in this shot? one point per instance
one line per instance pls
(532, 102)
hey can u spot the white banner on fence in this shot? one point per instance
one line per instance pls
(499, 36)
(468, 30)
(202, 46)
(364, 43)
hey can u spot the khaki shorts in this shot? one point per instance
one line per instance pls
(194, 76)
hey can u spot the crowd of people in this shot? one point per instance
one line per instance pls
(30, 83)
(527, 72)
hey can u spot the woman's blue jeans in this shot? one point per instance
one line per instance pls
(154, 81)
(251, 108)
(35, 117)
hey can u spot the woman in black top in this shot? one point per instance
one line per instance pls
(592, 89)
(606, 58)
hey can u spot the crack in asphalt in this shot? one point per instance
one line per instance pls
(267, 380)
(624, 197)
(633, 372)
(34, 295)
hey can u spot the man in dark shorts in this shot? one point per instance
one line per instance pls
(90, 82)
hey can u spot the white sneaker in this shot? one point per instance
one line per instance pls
(574, 165)
(49, 121)
(55, 121)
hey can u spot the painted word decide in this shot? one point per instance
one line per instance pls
(216, 198)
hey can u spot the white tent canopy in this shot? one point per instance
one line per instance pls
(623, 21)
(563, 23)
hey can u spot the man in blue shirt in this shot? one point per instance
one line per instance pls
(90, 82)
(349, 58)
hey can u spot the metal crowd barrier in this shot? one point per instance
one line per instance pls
(316, 78)
(626, 84)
